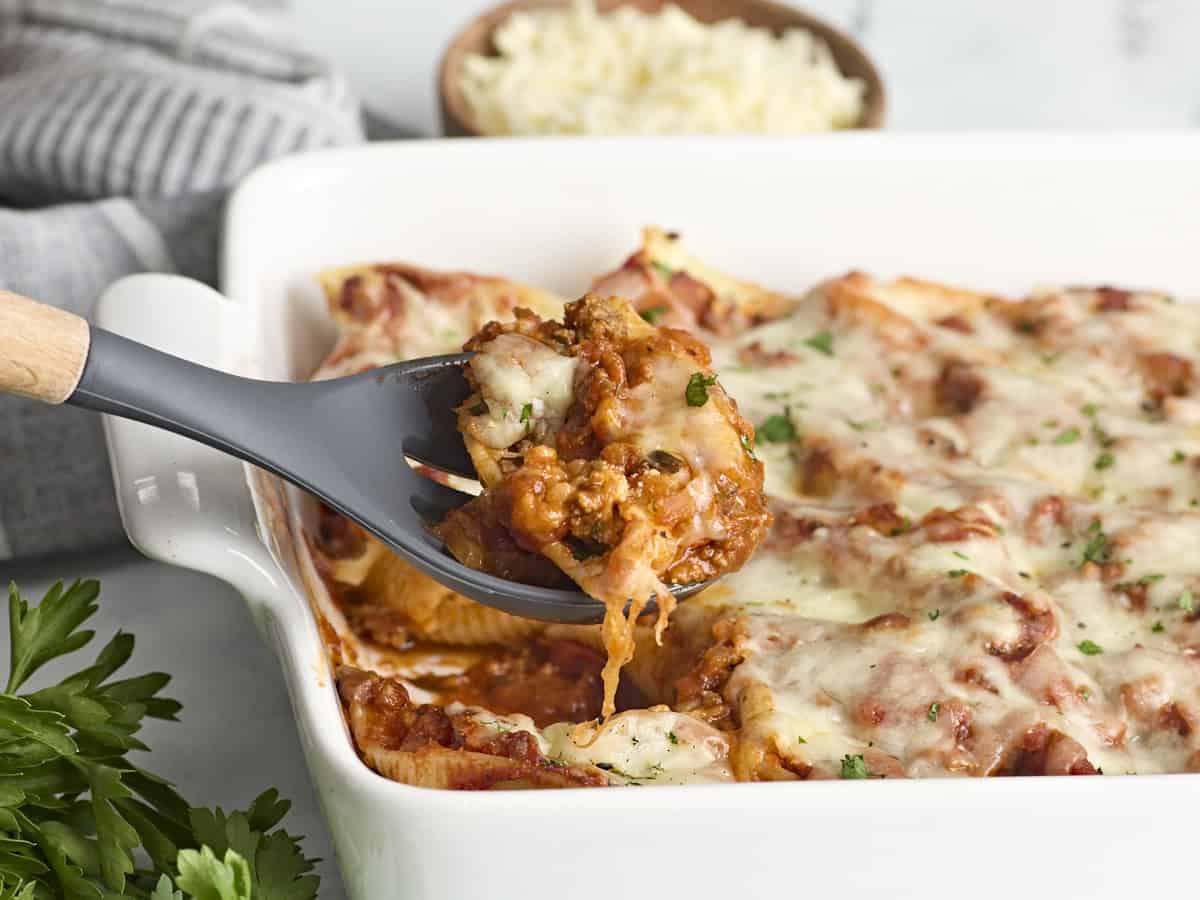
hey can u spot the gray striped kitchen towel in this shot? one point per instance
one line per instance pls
(122, 125)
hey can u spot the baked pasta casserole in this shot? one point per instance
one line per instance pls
(981, 557)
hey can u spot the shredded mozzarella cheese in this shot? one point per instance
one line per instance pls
(576, 71)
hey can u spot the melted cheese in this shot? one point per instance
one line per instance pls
(524, 384)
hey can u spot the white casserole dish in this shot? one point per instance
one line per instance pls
(993, 212)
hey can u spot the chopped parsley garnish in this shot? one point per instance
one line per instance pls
(653, 313)
(671, 736)
(662, 269)
(478, 409)
(904, 527)
(526, 413)
(1089, 648)
(1105, 460)
(1186, 601)
(933, 711)
(696, 392)
(1158, 628)
(957, 573)
(854, 766)
(746, 445)
(1150, 579)
(933, 616)
(822, 342)
(960, 554)
(800, 740)
(1097, 546)
(1089, 409)
(777, 428)
(583, 548)
(1070, 436)
(1178, 456)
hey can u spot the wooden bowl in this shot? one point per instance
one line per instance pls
(476, 37)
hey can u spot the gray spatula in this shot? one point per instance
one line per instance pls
(344, 440)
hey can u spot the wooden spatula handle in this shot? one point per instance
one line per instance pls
(42, 349)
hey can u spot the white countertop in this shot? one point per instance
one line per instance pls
(949, 64)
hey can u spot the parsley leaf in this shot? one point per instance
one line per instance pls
(1186, 601)
(1096, 548)
(822, 342)
(672, 737)
(933, 711)
(696, 392)
(957, 573)
(854, 766)
(205, 877)
(653, 313)
(1158, 628)
(526, 413)
(933, 615)
(777, 428)
(1150, 579)
(165, 890)
(78, 819)
(1089, 648)
(1105, 460)
(49, 630)
(1070, 436)
(662, 269)
(1178, 456)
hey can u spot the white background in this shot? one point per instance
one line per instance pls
(949, 64)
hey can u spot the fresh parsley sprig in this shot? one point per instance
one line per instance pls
(78, 820)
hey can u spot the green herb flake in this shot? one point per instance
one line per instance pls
(1178, 456)
(1151, 579)
(1070, 436)
(933, 615)
(933, 711)
(526, 413)
(1105, 461)
(1097, 546)
(746, 445)
(777, 428)
(696, 392)
(662, 269)
(800, 740)
(960, 554)
(1186, 602)
(653, 313)
(957, 573)
(1089, 409)
(854, 766)
(822, 342)
(584, 549)
(673, 738)
(1089, 648)
(1158, 628)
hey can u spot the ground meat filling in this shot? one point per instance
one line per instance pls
(635, 475)
(549, 681)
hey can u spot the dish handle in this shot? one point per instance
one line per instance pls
(181, 502)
